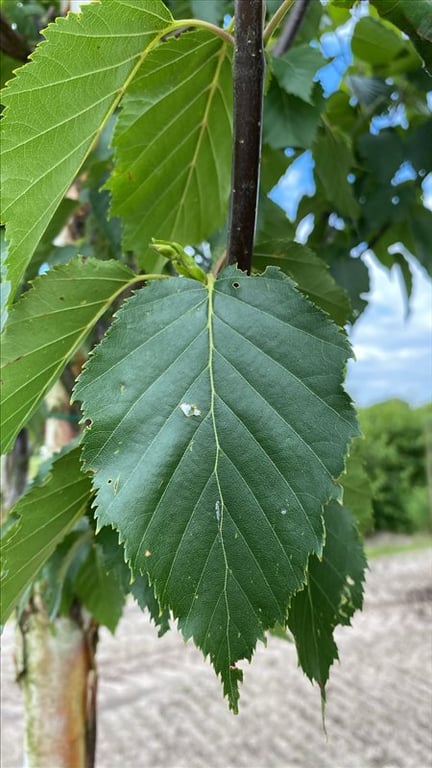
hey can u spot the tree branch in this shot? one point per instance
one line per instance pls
(289, 32)
(248, 105)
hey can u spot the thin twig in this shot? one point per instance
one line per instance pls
(291, 28)
(248, 105)
(276, 19)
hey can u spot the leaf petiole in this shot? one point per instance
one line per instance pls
(276, 19)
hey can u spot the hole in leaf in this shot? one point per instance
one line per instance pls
(236, 285)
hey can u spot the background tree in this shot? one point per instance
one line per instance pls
(127, 111)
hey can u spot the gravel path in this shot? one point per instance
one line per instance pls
(160, 705)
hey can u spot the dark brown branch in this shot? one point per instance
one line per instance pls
(291, 28)
(248, 105)
(11, 42)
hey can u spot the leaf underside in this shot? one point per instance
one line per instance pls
(45, 328)
(218, 425)
(173, 143)
(45, 515)
(43, 148)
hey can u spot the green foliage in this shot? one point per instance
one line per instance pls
(45, 328)
(207, 495)
(310, 272)
(339, 574)
(295, 71)
(175, 127)
(104, 51)
(99, 589)
(394, 455)
(414, 17)
(357, 493)
(40, 520)
(218, 419)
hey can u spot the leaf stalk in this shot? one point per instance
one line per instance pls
(276, 19)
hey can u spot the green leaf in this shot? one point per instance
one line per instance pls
(296, 69)
(357, 490)
(55, 580)
(333, 593)
(213, 12)
(414, 17)
(99, 590)
(218, 449)
(382, 154)
(4, 282)
(376, 44)
(274, 164)
(147, 601)
(349, 273)
(333, 162)
(57, 106)
(173, 143)
(45, 328)
(114, 562)
(419, 146)
(370, 91)
(310, 273)
(45, 246)
(289, 121)
(45, 515)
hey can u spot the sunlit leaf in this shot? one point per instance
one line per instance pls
(44, 146)
(173, 143)
(45, 328)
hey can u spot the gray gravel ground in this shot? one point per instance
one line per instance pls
(160, 705)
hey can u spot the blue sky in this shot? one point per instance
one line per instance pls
(393, 350)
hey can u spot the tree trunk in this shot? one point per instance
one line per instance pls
(57, 672)
(55, 658)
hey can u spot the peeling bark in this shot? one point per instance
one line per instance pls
(57, 673)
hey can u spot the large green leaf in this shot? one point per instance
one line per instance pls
(45, 328)
(310, 273)
(57, 106)
(226, 425)
(333, 593)
(45, 515)
(173, 143)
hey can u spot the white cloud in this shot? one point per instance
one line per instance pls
(393, 348)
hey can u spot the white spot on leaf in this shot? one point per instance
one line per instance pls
(217, 510)
(190, 409)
